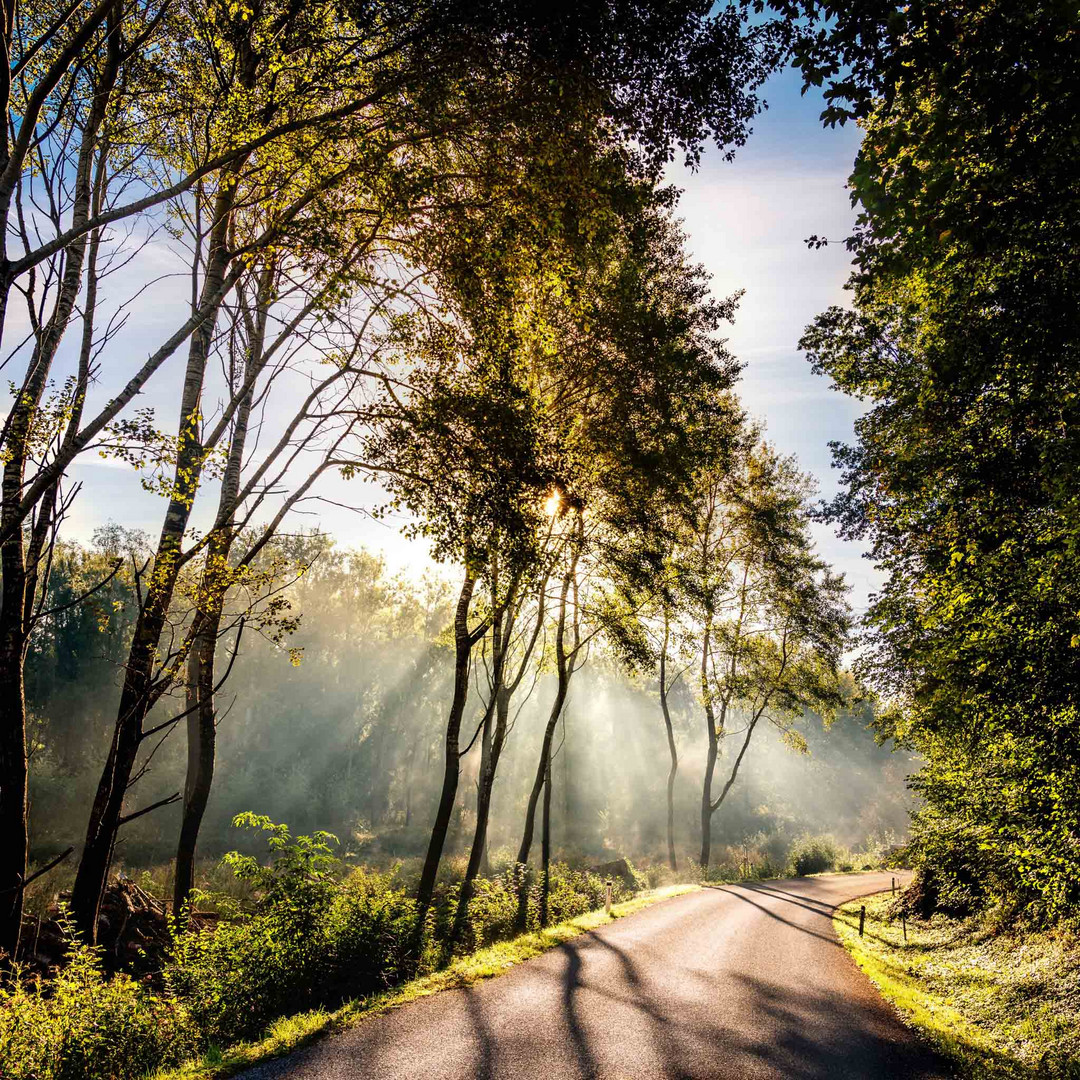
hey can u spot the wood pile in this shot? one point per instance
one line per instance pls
(133, 932)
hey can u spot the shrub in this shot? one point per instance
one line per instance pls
(574, 892)
(372, 925)
(493, 910)
(311, 940)
(84, 1024)
(812, 855)
(958, 870)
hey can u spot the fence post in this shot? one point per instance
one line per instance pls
(607, 896)
(903, 923)
(894, 886)
(862, 919)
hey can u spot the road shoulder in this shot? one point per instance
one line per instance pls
(997, 1005)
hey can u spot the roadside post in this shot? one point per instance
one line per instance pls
(607, 896)
(862, 919)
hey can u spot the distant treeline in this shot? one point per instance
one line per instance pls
(348, 737)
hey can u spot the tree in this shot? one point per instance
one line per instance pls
(763, 618)
(962, 335)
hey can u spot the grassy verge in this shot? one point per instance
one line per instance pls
(293, 1032)
(999, 1004)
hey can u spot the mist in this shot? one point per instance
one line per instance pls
(338, 723)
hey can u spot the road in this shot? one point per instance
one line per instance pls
(739, 981)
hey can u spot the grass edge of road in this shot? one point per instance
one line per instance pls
(972, 992)
(293, 1032)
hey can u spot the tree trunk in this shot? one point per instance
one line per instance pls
(202, 738)
(214, 586)
(492, 751)
(17, 591)
(543, 770)
(409, 783)
(672, 750)
(13, 782)
(491, 746)
(711, 754)
(452, 763)
(545, 848)
(541, 773)
(138, 694)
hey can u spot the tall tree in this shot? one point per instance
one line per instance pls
(963, 337)
(766, 620)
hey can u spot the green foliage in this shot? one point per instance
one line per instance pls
(310, 940)
(85, 1024)
(574, 892)
(963, 338)
(493, 908)
(812, 855)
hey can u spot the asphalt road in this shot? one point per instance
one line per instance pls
(739, 981)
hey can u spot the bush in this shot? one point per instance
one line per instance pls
(812, 855)
(492, 913)
(958, 871)
(298, 934)
(493, 909)
(311, 940)
(83, 1024)
(574, 892)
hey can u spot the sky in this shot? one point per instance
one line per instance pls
(746, 222)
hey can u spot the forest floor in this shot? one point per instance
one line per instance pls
(293, 1032)
(1001, 1003)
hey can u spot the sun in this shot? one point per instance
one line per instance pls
(554, 501)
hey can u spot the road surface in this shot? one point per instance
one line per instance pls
(735, 981)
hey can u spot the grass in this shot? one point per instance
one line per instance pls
(998, 1003)
(293, 1032)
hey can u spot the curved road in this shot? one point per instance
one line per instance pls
(735, 981)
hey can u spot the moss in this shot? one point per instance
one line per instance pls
(293, 1032)
(998, 1003)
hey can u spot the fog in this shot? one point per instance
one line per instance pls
(339, 726)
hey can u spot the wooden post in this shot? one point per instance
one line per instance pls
(862, 919)
(903, 923)
(607, 896)
(894, 886)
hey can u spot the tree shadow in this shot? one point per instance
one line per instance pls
(793, 1032)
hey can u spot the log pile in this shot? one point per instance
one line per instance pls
(133, 932)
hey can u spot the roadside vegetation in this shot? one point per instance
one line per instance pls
(295, 1031)
(311, 936)
(299, 944)
(1001, 999)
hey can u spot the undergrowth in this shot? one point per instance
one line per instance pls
(301, 934)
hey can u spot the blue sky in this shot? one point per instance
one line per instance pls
(746, 221)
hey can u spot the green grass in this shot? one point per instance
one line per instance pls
(293, 1032)
(999, 1003)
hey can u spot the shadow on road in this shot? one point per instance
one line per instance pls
(811, 1035)
(817, 907)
